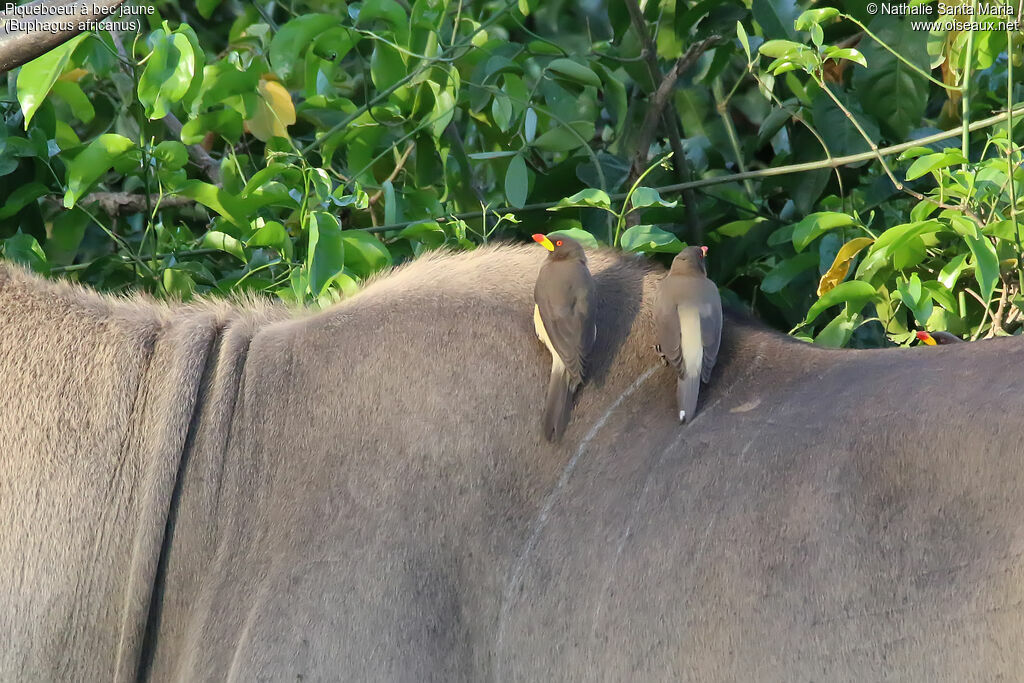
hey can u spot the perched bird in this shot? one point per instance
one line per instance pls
(938, 338)
(688, 321)
(564, 318)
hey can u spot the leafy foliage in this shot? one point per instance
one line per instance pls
(297, 149)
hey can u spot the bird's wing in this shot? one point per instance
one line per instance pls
(568, 319)
(666, 320)
(710, 328)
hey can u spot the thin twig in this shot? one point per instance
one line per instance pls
(997, 317)
(834, 162)
(116, 203)
(669, 117)
(399, 165)
(127, 259)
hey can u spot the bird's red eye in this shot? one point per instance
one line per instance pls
(558, 243)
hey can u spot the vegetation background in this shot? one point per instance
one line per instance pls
(856, 177)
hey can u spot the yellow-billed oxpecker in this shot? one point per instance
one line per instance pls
(939, 338)
(564, 318)
(688, 322)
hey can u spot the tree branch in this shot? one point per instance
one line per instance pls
(831, 162)
(116, 203)
(20, 46)
(399, 165)
(200, 156)
(661, 109)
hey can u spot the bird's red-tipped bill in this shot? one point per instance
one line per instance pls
(926, 338)
(543, 241)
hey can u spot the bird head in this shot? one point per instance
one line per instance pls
(937, 338)
(690, 259)
(561, 247)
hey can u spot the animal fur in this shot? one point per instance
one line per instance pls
(219, 492)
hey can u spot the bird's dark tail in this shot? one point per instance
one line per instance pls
(687, 389)
(558, 404)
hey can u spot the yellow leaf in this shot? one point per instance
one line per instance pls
(841, 265)
(73, 75)
(275, 111)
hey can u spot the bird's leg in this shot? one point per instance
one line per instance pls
(664, 361)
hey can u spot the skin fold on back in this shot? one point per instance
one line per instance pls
(363, 494)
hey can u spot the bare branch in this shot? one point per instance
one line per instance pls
(116, 203)
(660, 109)
(23, 38)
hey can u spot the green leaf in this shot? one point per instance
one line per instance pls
(775, 17)
(582, 236)
(388, 12)
(898, 247)
(387, 66)
(272, 234)
(849, 53)
(225, 122)
(171, 154)
(784, 272)
(589, 197)
(483, 156)
(443, 111)
(741, 33)
(739, 228)
(837, 333)
(22, 197)
(986, 264)
(898, 235)
(292, 39)
(563, 139)
(941, 296)
(1004, 230)
(92, 162)
(325, 252)
(779, 49)
(615, 97)
(516, 182)
(854, 293)
(574, 71)
(206, 7)
(916, 297)
(168, 73)
(815, 225)
(530, 125)
(215, 239)
(364, 253)
(890, 91)
(223, 202)
(425, 232)
(814, 17)
(950, 156)
(178, 283)
(648, 238)
(648, 196)
(77, 100)
(501, 111)
(950, 272)
(25, 249)
(913, 153)
(36, 78)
